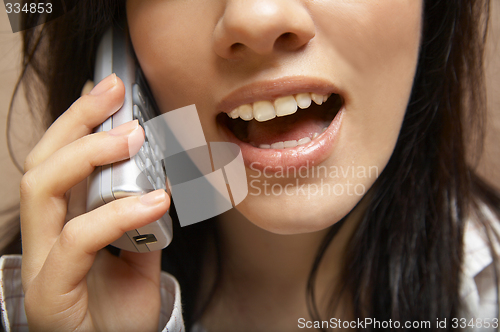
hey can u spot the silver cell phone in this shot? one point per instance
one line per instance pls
(143, 172)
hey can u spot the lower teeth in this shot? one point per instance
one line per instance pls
(240, 127)
(289, 144)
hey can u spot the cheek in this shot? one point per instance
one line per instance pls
(371, 49)
(375, 45)
(368, 48)
(173, 52)
(365, 33)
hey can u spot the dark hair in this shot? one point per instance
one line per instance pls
(405, 257)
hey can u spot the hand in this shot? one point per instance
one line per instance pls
(70, 284)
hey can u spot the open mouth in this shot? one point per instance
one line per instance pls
(284, 123)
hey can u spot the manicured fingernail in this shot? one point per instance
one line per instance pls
(154, 197)
(124, 129)
(104, 85)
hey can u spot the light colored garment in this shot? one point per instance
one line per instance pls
(479, 290)
(12, 299)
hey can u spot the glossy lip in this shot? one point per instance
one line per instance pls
(277, 160)
(271, 90)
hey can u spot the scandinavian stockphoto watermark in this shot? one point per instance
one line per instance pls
(373, 323)
(205, 178)
(310, 180)
(209, 178)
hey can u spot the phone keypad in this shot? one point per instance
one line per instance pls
(147, 158)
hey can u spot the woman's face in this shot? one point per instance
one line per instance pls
(262, 58)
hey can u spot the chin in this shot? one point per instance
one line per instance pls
(295, 215)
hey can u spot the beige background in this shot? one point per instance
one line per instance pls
(490, 163)
(10, 45)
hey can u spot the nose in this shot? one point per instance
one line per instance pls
(262, 27)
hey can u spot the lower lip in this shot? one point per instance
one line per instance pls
(276, 160)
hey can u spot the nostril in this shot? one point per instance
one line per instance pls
(237, 47)
(287, 41)
(262, 27)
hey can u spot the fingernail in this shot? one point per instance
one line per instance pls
(154, 197)
(89, 85)
(124, 129)
(104, 85)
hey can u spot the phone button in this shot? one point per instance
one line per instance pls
(138, 97)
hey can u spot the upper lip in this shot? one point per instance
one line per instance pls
(270, 90)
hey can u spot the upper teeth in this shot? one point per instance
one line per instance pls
(267, 110)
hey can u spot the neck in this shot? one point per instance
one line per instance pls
(253, 254)
(262, 267)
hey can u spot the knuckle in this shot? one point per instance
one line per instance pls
(90, 146)
(30, 162)
(120, 210)
(32, 297)
(28, 183)
(116, 208)
(78, 110)
(75, 116)
(101, 148)
(35, 306)
(82, 143)
(30, 303)
(76, 106)
(69, 235)
(86, 147)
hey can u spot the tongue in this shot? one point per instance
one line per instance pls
(287, 128)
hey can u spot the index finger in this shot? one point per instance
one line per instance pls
(80, 119)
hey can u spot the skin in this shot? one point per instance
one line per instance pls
(351, 44)
(368, 49)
